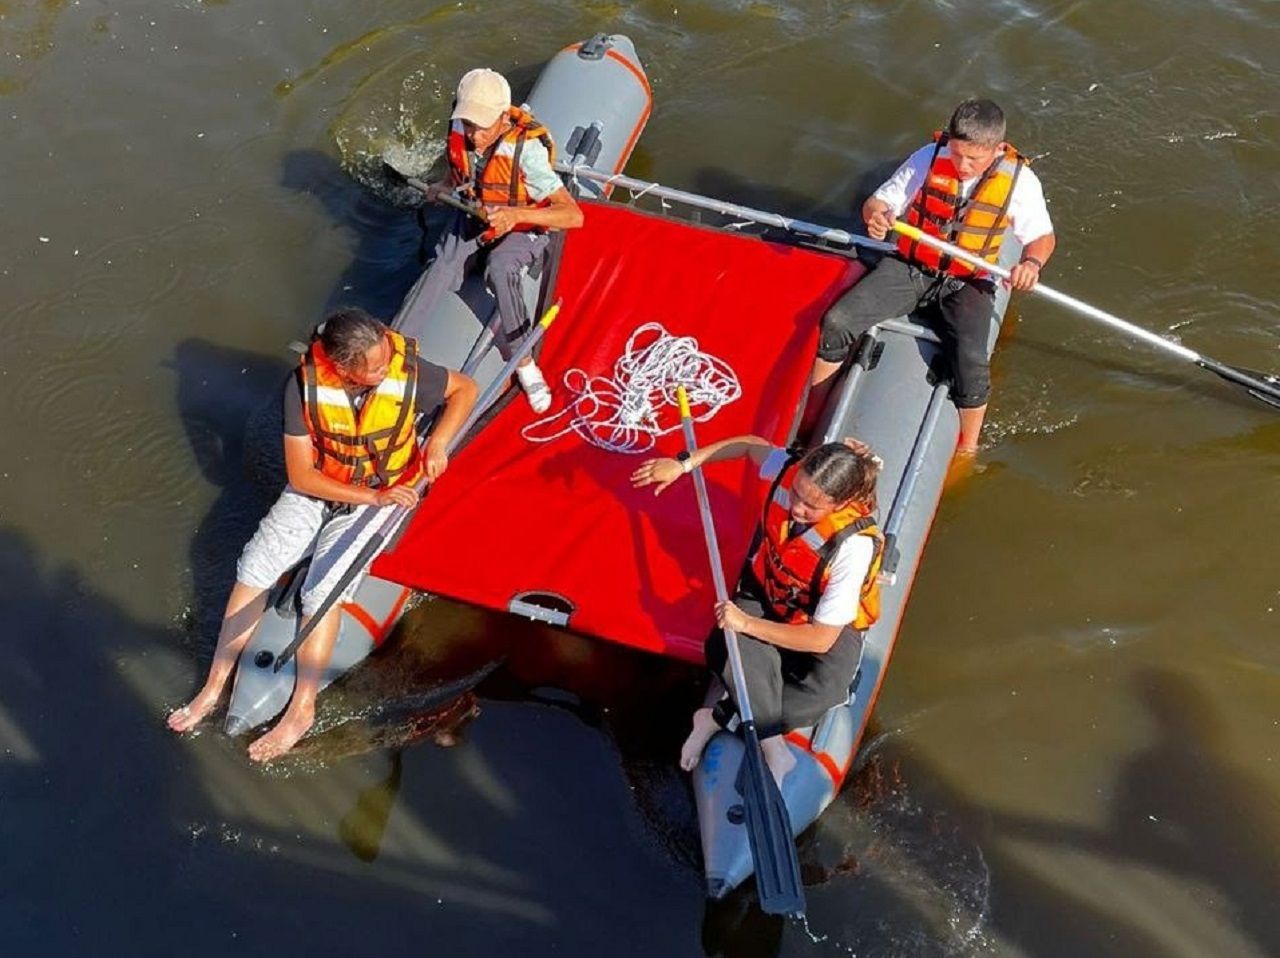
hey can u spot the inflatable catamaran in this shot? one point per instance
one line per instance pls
(614, 562)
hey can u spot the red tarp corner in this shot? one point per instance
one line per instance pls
(511, 516)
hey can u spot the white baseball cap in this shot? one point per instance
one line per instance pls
(483, 96)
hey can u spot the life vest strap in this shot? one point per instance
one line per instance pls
(407, 403)
(828, 552)
(513, 187)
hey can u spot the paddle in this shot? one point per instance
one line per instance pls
(1261, 386)
(448, 199)
(389, 525)
(773, 851)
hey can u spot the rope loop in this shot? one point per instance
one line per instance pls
(629, 411)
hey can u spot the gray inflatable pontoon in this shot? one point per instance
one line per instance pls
(894, 397)
(595, 99)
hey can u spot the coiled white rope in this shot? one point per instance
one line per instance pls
(629, 411)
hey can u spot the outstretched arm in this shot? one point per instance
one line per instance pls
(662, 472)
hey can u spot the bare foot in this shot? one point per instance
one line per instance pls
(193, 713)
(295, 724)
(778, 756)
(704, 726)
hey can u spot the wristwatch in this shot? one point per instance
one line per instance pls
(686, 463)
(1035, 262)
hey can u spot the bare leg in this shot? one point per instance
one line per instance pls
(244, 611)
(778, 756)
(970, 428)
(820, 382)
(313, 659)
(704, 727)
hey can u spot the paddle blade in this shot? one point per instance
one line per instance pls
(1263, 387)
(1266, 387)
(773, 850)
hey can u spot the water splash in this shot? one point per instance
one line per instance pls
(923, 884)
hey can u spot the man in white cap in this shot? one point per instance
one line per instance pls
(499, 157)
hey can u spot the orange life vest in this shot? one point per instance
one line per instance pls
(977, 224)
(376, 446)
(791, 572)
(501, 179)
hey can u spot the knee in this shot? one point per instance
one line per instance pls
(501, 269)
(842, 326)
(836, 338)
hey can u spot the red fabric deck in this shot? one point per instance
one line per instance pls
(512, 516)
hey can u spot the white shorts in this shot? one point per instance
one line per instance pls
(298, 526)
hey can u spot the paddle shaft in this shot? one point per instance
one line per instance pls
(773, 849)
(1266, 385)
(397, 515)
(824, 234)
(717, 571)
(448, 199)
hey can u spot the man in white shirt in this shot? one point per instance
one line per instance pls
(968, 187)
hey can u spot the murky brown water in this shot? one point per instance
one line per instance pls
(1077, 748)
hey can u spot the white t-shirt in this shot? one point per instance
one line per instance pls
(1028, 214)
(847, 571)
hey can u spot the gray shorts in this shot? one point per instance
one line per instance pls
(298, 526)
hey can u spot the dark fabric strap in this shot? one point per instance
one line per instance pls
(794, 455)
(994, 234)
(513, 188)
(382, 460)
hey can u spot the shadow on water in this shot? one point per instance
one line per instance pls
(119, 838)
(1180, 810)
(228, 401)
(389, 239)
(903, 864)
(1181, 818)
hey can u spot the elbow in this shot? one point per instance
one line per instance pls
(574, 217)
(463, 397)
(824, 638)
(300, 478)
(1043, 247)
(468, 389)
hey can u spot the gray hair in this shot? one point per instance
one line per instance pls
(980, 122)
(347, 334)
